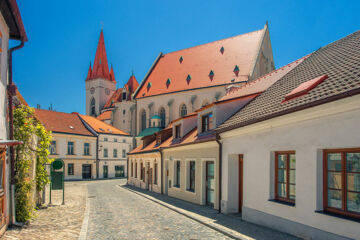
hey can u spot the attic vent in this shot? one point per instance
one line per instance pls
(222, 50)
(211, 74)
(168, 81)
(188, 78)
(305, 87)
(101, 129)
(236, 70)
(181, 59)
(71, 127)
(149, 85)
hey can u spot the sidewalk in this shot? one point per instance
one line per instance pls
(230, 225)
(57, 221)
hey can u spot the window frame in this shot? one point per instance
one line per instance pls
(209, 122)
(70, 173)
(183, 110)
(73, 148)
(177, 173)
(344, 186)
(88, 154)
(155, 174)
(51, 147)
(124, 153)
(107, 153)
(287, 168)
(177, 133)
(115, 155)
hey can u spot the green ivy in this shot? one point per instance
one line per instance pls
(34, 150)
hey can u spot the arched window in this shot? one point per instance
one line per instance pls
(162, 116)
(143, 120)
(183, 110)
(92, 107)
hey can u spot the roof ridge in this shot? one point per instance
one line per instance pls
(208, 43)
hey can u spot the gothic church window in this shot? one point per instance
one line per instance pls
(162, 116)
(92, 107)
(143, 120)
(183, 110)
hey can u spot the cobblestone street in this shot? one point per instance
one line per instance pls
(116, 211)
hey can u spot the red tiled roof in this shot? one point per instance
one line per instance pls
(131, 86)
(101, 67)
(196, 63)
(104, 116)
(262, 83)
(101, 127)
(62, 122)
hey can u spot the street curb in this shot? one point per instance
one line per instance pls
(212, 226)
(85, 223)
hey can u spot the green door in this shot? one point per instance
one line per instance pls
(210, 183)
(105, 171)
(119, 171)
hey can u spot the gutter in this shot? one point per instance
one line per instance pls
(220, 169)
(11, 89)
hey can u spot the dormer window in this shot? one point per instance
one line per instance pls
(158, 139)
(124, 96)
(177, 131)
(206, 122)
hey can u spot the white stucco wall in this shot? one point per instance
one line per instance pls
(308, 132)
(100, 85)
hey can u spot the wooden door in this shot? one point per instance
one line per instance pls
(241, 182)
(210, 183)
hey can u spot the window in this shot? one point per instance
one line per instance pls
(119, 171)
(177, 131)
(105, 139)
(135, 169)
(158, 139)
(105, 152)
(143, 120)
(86, 149)
(52, 148)
(285, 176)
(124, 141)
(115, 139)
(162, 117)
(70, 169)
(192, 176)
(183, 110)
(70, 150)
(177, 174)
(92, 107)
(124, 112)
(206, 122)
(124, 96)
(124, 153)
(132, 169)
(155, 173)
(342, 182)
(115, 153)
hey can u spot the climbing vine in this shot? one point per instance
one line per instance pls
(34, 150)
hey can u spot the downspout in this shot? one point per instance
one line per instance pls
(162, 170)
(97, 156)
(220, 169)
(11, 92)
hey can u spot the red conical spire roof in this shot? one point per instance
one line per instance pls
(89, 73)
(101, 67)
(132, 84)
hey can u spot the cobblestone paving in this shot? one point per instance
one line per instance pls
(116, 213)
(57, 221)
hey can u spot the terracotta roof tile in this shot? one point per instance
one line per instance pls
(199, 61)
(104, 116)
(100, 126)
(340, 61)
(62, 122)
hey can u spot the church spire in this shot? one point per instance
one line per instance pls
(101, 67)
(89, 72)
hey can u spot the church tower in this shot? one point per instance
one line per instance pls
(100, 82)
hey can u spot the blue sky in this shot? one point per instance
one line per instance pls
(63, 35)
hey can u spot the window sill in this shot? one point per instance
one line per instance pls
(176, 186)
(282, 202)
(338, 215)
(71, 155)
(189, 190)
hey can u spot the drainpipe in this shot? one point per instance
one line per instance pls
(162, 171)
(97, 156)
(220, 169)
(11, 92)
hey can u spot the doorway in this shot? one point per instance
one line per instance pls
(105, 171)
(241, 182)
(210, 183)
(119, 171)
(86, 171)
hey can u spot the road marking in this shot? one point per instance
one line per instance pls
(85, 223)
